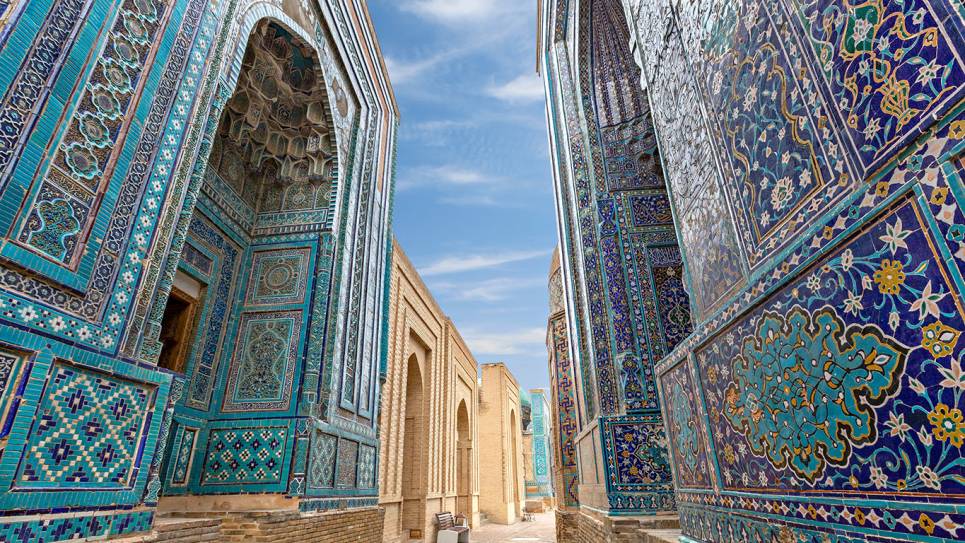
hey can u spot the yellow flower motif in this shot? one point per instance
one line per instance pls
(894, 99)
(901, 485)
(948, 424)
(939, 195)
(881, 189)
(890, 277)
(957, 130)
(926, 523)
(729, 455)
(938, 339)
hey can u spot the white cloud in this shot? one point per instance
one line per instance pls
(490, 290)
(530, 341)
(461, 11)
(525, 88)
(448, 175)
(465, 263)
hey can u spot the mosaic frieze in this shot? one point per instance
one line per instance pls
(684, 421)
(183, 453)
(322, 463)
(210, 243)
(41, 65)
(707, 233)
(76, 527)
(12, 368)
(279, 277)
(263, 366)
(65, 201)
(563, 378)
(673, 303)
(630, 152)
(88, 433)
(782, 163)
(636, 460)
(888, 68)
(346, 467)
(366, 476)
(823, 388)
(245, 456)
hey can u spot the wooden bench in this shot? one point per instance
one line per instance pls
(448, 531)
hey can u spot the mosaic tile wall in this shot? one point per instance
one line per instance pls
(542, 464)
(820, 396)
(110, 110)
(623, 270)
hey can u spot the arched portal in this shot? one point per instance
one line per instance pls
(243, 282)
(413, 448)
(464, 460)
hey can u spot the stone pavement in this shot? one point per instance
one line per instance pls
(542, 530)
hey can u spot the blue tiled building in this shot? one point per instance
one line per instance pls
(195, 198)
(762, 245)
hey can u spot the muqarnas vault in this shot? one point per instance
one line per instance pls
(812, 158)
(195, 204)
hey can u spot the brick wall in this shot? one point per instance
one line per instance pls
(588, 527)
(354, 526)
(350, 526)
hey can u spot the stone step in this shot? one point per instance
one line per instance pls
(177, 529)
(661, 536)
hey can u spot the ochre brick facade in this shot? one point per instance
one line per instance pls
(429, 412)
(502, 491)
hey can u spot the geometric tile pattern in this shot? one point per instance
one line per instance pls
(636, 463)
(183, 454)
(245, 455)
(279, 277)
(66, 199)
(347, 462)
(322, 467)
(88, 431)
(62, 529)
(366, 467)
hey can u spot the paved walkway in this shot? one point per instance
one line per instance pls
(543, 530)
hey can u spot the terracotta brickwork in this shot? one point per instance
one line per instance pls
(429, 412)
(502, 490)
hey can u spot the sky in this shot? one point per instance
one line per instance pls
(474, 198)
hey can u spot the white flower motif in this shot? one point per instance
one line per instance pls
(860, 30)
(128, 277)
(782, 193)
(928, 72)
(852, 304)
(107, 341)
(895, 236)
(898, 425)
(84, 333)
(57, 323)
(878, 477)
(928, 477)
(894, 320)
(916, 385)
(927, 303)
(814, 282)
(28, 313)
(871, 129)
(953, 376)
(925, 437)
(847, 260)
(122, 297)
(114, 319)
